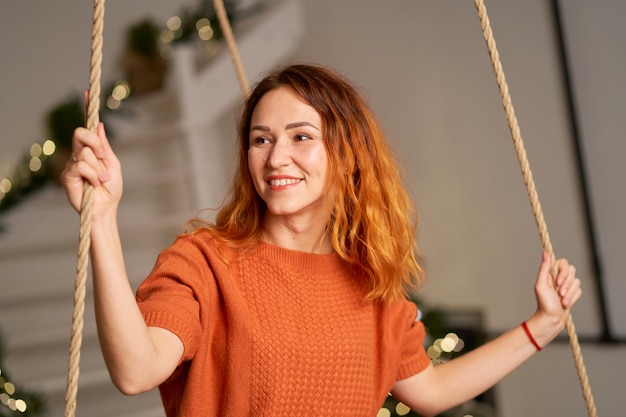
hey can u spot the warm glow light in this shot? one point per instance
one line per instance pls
(20, 405)
(383, 412)
(35, 164)
(449, 342)
(9, 388)
(5, 185)
(459, 346)
(35, 150)
(433, 352)
(166, 36)
(205, 33)
(49, 147)
(201, 23)
(121, 91)
(4, 399)
(402, 409)
(174, 23)
(113, 104)
(437, 344)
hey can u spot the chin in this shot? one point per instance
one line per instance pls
(282, 211)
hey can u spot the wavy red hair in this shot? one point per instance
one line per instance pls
(373, 221)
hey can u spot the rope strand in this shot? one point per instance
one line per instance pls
(532, 194)
(85, 216)
(232, 46)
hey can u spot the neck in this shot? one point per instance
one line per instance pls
(311, 237)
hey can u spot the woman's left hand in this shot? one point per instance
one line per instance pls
(556, 294)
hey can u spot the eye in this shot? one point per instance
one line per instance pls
(302, 137)
(260, 140)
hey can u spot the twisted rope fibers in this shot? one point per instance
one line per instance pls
(85, 216)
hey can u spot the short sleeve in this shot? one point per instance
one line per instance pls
(167, 297)
(413, 358)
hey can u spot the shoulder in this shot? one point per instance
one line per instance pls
(196, 260)
(403, 310)
(399, 320)
(199, 246)
(195, 265)
(404, 328)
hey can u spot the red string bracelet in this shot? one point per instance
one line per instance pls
(530, 336)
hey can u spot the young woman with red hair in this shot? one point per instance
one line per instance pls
(294, 300)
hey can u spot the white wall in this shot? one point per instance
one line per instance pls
(425, 68)
(595, 36)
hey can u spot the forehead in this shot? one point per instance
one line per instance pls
(283, 104)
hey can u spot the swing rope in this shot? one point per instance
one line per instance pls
(532, 194)
(232, 45)
(85, 215)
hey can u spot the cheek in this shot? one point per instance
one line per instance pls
(318, 157)
(255, 167)
(322, 163)
(254, 160)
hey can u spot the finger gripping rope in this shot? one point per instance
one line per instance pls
(532, 194)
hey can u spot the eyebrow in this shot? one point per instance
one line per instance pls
(289, 126)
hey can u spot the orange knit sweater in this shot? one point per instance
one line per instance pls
(276, 333)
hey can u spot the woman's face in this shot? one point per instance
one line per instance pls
(287, 158)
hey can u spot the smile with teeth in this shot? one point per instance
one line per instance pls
(283, 182)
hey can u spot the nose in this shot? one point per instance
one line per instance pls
(280, 154)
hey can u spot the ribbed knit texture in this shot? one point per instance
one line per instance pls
(276, 333)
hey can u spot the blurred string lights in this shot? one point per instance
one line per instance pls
(395, 409)
(441, 350)
(149, 47)
(449, 333)
(444, 348)
(14, 400)
(6, 396)
(29, 174)
(43, 161)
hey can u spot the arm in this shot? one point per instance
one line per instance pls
(138, 357)
(444, 386)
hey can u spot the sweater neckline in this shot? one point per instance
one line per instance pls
(301, 260)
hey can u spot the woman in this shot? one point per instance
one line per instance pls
(293, 302)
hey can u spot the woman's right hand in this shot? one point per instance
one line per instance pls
(94, 162)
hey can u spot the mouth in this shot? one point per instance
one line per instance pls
(282, 182)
